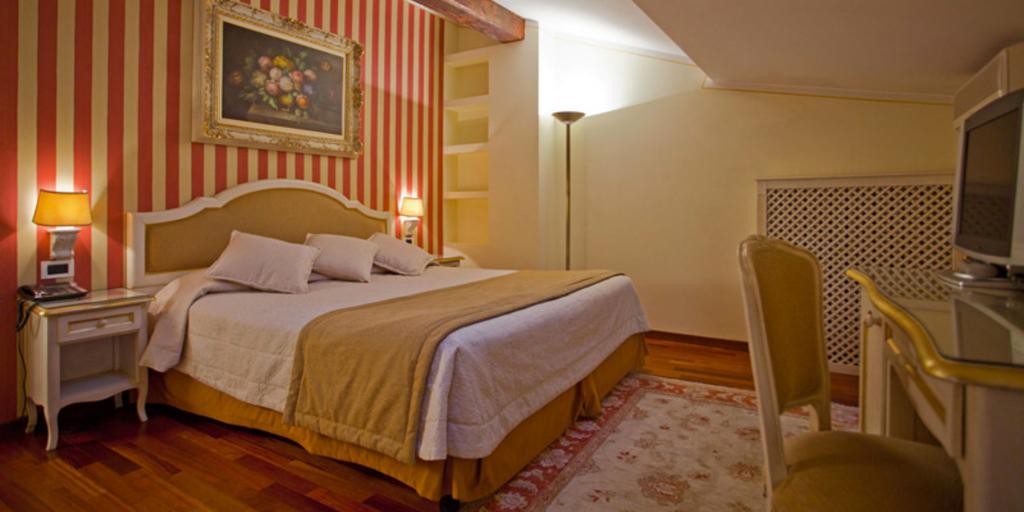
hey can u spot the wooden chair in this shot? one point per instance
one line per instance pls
(822, 470)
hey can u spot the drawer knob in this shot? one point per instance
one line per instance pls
(870, 320)
(102, 322)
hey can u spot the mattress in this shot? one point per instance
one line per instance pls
(485, 378)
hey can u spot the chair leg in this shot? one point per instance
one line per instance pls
(449, 504)
(821, 417)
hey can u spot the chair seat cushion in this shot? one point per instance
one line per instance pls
(846, 471)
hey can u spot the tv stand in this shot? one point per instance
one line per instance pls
(974, 269)
(972, 273)
(967, 280)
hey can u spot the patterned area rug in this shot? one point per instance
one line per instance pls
(660, 444)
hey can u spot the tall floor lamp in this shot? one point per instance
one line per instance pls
(568, 118)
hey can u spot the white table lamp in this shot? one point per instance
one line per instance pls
(62, 213)
(410, 211)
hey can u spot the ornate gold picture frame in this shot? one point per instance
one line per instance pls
(266, 81)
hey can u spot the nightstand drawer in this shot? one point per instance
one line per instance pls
(72, 328)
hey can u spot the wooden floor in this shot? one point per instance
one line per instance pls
(725, 363)
(107, 460)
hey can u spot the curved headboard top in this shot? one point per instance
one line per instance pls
(164, 245)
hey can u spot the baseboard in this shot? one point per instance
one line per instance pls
(845, 369)
(740, 346)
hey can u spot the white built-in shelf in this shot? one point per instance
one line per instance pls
(468, 57)
(459, 149)
(472, 104)
(94, 387)
(466, 194)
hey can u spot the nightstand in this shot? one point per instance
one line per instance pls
(451, 261)
(83, 350)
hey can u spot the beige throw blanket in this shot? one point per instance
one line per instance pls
(168, 317)
(359, 374)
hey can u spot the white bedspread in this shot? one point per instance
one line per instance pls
(485, 379)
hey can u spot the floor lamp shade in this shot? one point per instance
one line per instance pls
(568, 117)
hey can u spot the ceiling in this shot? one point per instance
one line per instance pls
(617, 22)
(923, 49)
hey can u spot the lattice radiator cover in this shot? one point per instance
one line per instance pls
(893, 221)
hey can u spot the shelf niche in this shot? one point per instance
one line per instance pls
(469, 81)
(466, 172)
(466, 221)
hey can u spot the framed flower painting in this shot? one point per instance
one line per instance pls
(263, 80)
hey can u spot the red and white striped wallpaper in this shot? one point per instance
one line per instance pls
(100, 99)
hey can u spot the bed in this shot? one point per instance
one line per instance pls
(497, 393)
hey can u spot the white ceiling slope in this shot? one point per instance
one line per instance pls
(912, 49)
(616, 22)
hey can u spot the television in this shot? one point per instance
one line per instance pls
(989, 195)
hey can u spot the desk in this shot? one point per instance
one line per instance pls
(947, 366)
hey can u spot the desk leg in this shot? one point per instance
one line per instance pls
(873, 370)
(993, 449)
(51, 427)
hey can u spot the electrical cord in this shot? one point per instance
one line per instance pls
(24, 314)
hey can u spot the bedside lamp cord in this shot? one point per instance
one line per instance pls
(23, 316)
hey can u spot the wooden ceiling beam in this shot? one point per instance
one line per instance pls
(485, 16)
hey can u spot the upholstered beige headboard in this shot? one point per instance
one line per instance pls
(163, 245)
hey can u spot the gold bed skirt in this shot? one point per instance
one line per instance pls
(463, 479)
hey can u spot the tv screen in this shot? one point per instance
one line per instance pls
(988, 185)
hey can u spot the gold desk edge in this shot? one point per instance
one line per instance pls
(931, 361)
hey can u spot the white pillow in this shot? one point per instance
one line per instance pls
(343, 257)
(400, 257)
(265, 263)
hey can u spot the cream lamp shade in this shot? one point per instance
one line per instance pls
(62, 212)
(56, 209)
(411, 207)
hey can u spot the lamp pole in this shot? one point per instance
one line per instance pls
(568, 118)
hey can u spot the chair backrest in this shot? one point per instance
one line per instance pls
(782, 292)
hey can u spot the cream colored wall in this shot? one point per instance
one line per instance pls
(514, 215)
(665, 181)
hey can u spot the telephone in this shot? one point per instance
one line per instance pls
(48, 292)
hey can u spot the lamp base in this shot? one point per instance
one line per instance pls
(62, 242)
(409, 228)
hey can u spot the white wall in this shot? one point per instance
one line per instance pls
(514, 202)
(664, 179)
